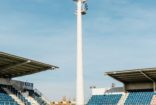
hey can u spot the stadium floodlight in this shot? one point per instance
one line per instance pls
(82, 7)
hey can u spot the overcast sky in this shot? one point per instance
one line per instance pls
(118, 35)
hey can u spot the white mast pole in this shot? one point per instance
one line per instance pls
(81, 10)
(79, 80)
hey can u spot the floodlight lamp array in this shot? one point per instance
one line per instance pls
(84, 6)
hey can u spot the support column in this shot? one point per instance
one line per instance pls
(79, 87)
(154, 87)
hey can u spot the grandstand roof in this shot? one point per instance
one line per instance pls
(14, 66)
(134, 76)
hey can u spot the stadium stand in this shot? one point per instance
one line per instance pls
(112, 99)
(5, 99)
(13, 92)
(139, 89)
(136, 98)
(38, 97)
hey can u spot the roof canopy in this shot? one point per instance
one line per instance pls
(14, 66)
(135, 75)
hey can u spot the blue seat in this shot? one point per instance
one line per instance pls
(5, 99)
(111, 99)
(139, 98)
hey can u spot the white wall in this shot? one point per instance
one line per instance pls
(98, 91)
(102, 91)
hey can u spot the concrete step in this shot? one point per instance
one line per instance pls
(123, 99)
(33, 101)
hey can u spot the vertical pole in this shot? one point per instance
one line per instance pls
(79, 87)
(154, 86)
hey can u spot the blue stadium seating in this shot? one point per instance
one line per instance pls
(5, 99)
(19, 95)
(9, 101)
(112, 99)
(139, 98)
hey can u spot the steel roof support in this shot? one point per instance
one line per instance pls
(14, 65)
(154, 85)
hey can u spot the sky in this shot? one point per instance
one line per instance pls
(117, 35)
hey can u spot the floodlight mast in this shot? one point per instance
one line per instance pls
(81, 10)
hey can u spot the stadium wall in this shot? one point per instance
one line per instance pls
(17, 84)
(139, 86)
(5, 81)
(102, 91)
(98, 91)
